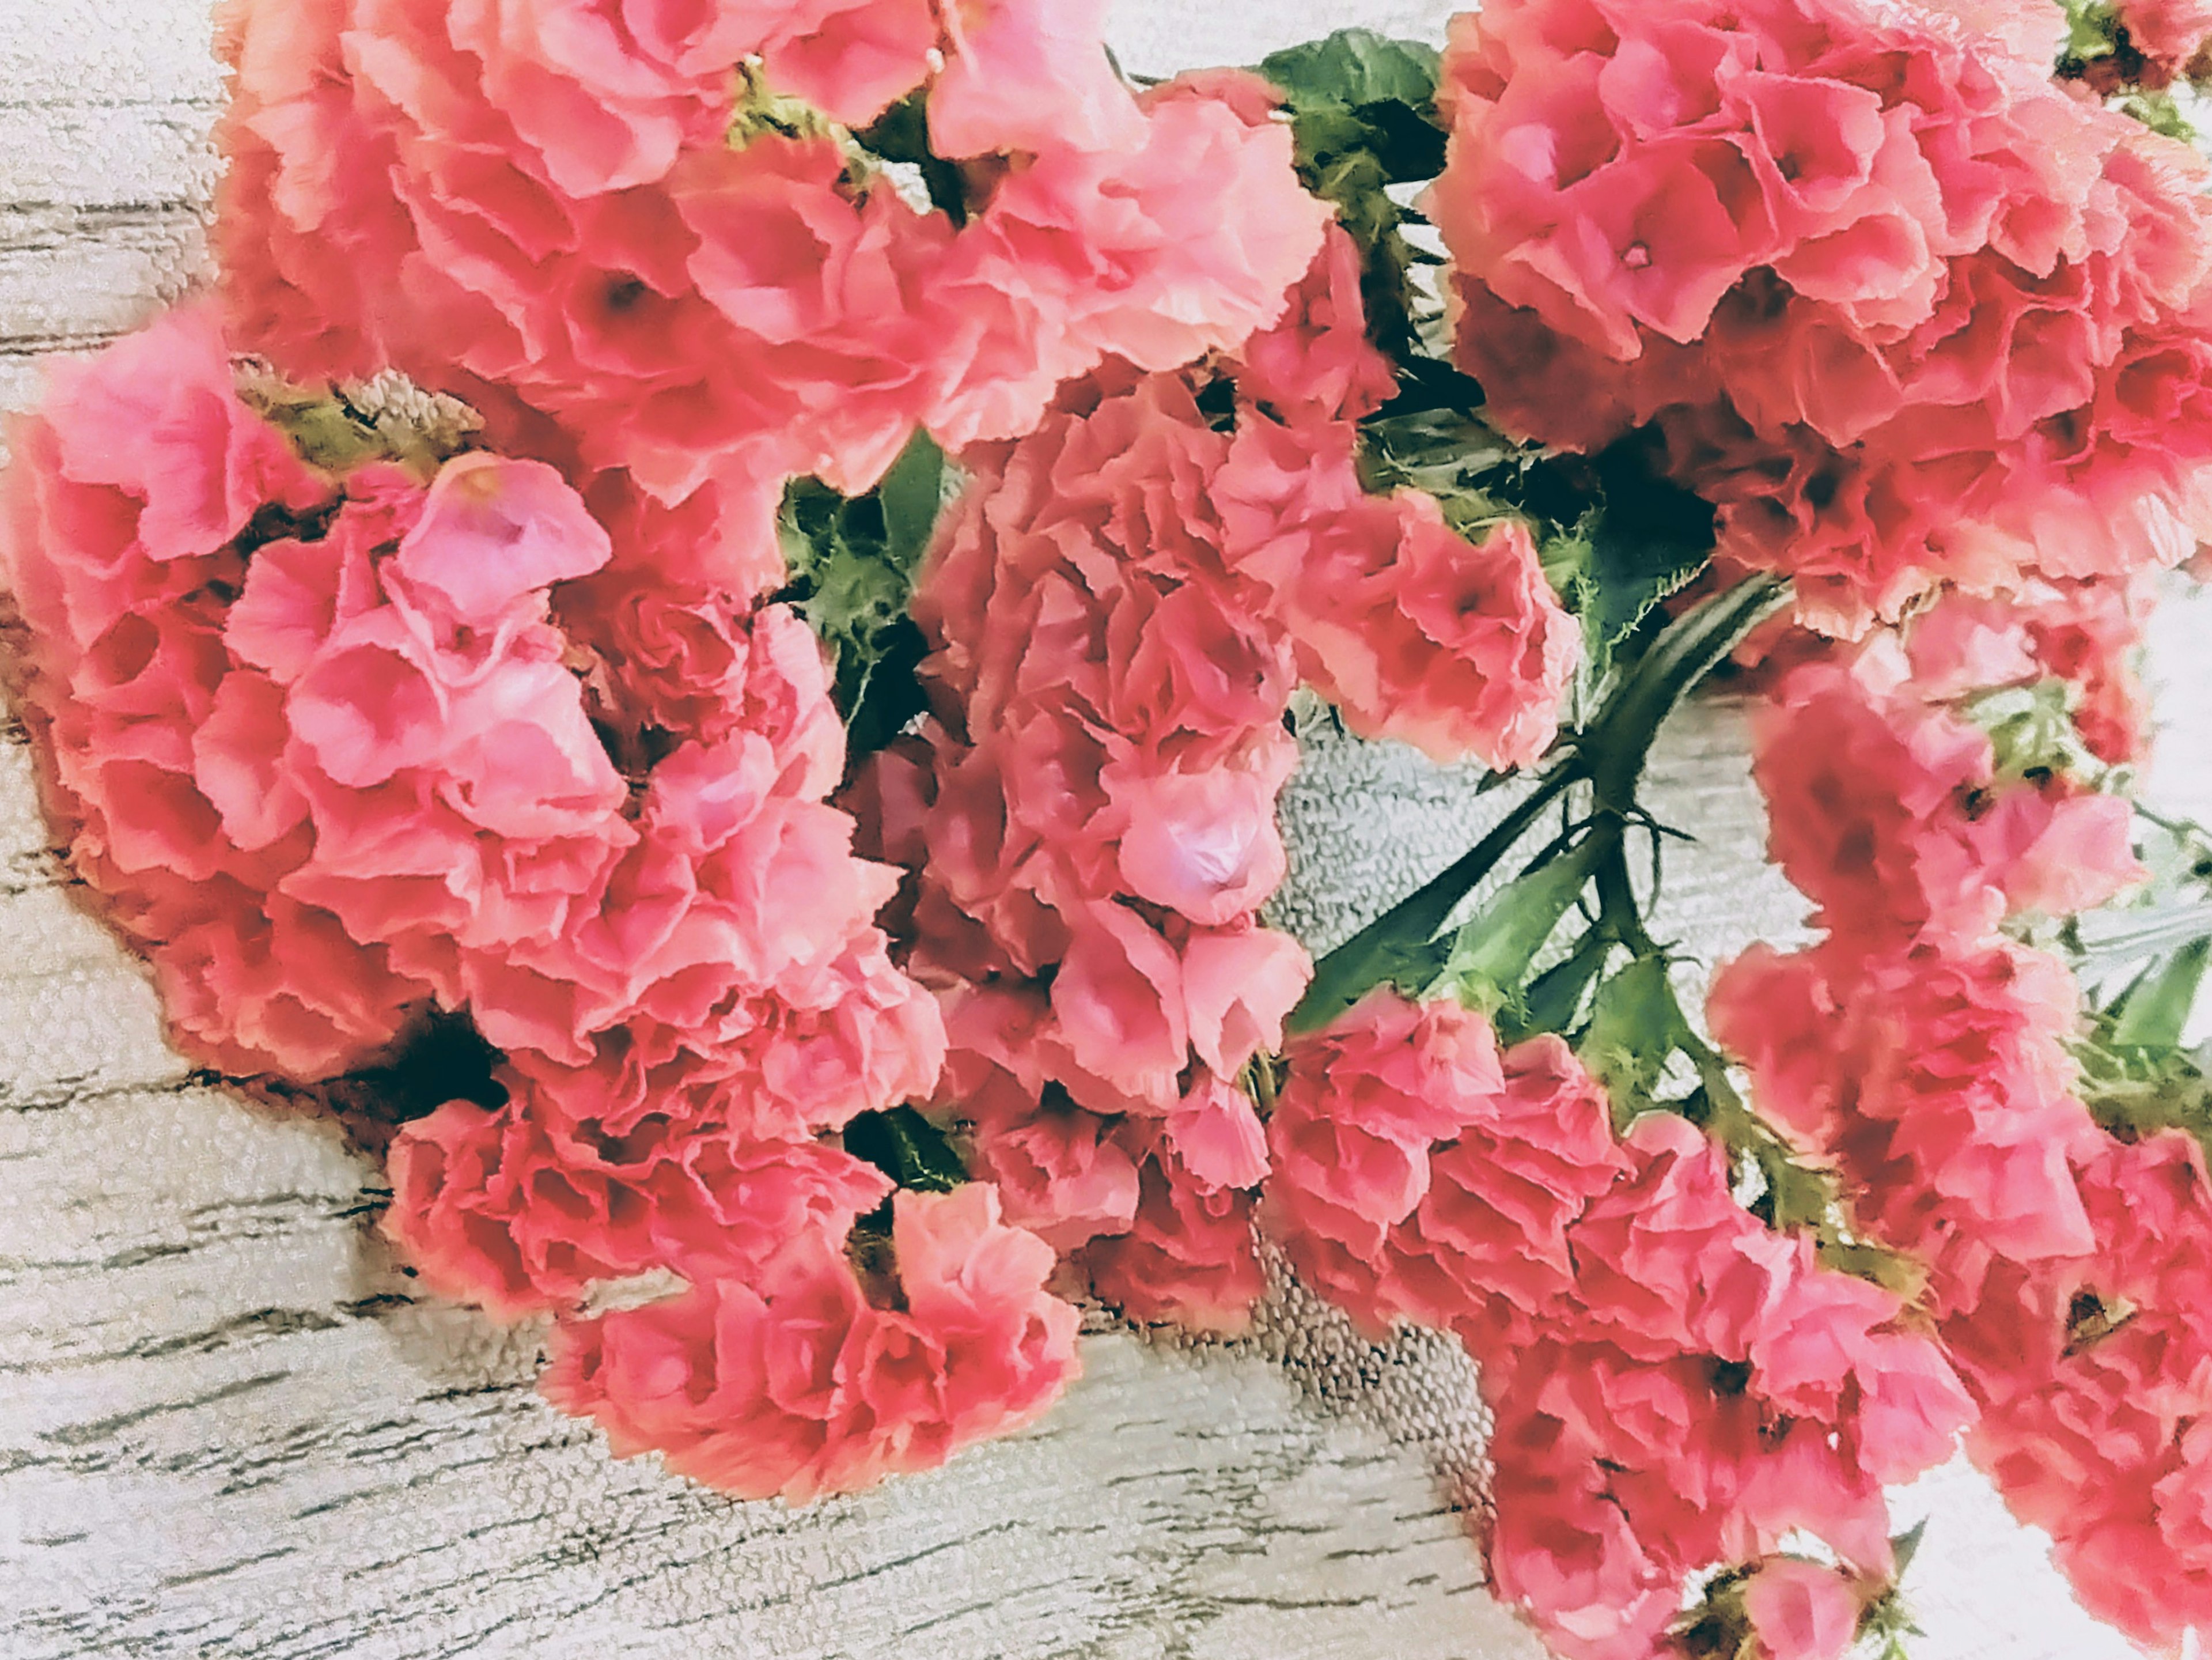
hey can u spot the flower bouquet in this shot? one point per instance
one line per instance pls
(701, 637)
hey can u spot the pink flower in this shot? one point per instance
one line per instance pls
(790, 1381)
(1887, 811)
(1024, 77)
(1879, 284)
(1317, 359)
(517, 1211)
(560, 228)
(1187, 1257)
(1801, 1610)
(1414, 631)
(1459, 648)
(2169, 31)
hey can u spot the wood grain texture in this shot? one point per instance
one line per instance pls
(228, 1427)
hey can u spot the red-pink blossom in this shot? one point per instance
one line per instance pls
(1885, 810)
(1801, 1610)
(578, 225)
(523, 1211)
(795, 1379)
(1896, 301)
(2169, 33)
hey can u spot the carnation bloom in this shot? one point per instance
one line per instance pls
(1675, 1385)
(2167, 32)
(1925, 1057)
(636, 260)
(324, 751)
(1120, 606)
(1800, 1610)
(1906, 311)
(1885, 809)
(804, 1376)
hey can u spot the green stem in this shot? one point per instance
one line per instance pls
(1346, 974)
(1609, 755)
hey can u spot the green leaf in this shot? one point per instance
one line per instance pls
(1355, 66)
(1904, 1547)
(1363, 117)
(2158, 109)
(1491, 955)
(913, 495)
(853, 568)
(1554, 999)
(2092, 29)
(2032, 729)
(2153, 1012)
(1645, 541)
(907, 1147)
(1636, 1028)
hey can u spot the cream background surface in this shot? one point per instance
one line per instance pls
(227, 1428)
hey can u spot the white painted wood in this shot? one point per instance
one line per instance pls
(228, 1428)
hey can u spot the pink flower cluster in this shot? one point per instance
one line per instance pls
(1925, 1055)
(1675, 1386)
(2169, 33)
(1907, 312)
(802, 1377)
(328, 762)
(2086, 631)
(1122, 604)
(608, 224)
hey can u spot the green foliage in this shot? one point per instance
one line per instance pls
(1363, 117)
(907, 1147)
(1887, 1620)
(1355, 69)
(1490, 957)
(1641, 542)
(2136, 1078)
(852, 566)
(902, 134)
(2032, 729)
(330, 432)
(2092, 28)
(761, 112)
(2158, 109)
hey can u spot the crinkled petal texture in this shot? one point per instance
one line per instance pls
(1120, 606)
(325, 753)
(1675, 1385)
(1925, 1056)
(808, 1375)
(2170, 33)
(577, 216)
(1908, 313)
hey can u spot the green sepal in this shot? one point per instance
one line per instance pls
(853, 562)
(2153, 1012)
(902, 134)
(2030, 728)
(1635, 1029)
(1491, 955)
(1641, 541)
(1363, 117)
(1554, 1001)
(1354, 67)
